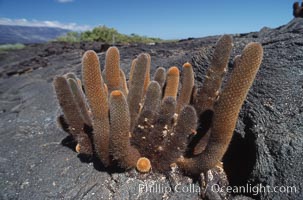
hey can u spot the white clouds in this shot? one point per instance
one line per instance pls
(65, 1)
(25, 22)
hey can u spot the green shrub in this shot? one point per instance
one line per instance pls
(70, 37)
(107, 35)
(8, 47)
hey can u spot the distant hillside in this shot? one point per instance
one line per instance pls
(26, 34)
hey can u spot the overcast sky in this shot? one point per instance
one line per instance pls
(167, 19)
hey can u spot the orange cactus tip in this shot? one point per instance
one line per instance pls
(116, 93)
(89, 53)
(78, 148)
(114, 49)
(187, 65)
(143, 165)
(173, 71)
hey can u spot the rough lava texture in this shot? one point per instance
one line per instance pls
(267, 146)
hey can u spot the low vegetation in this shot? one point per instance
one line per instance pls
(108, 35)
(8, 47)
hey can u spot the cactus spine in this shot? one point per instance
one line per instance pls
(136, 89)
(97, 99)
(226, 111)
(172, 82)
(72, 114)
(126, 155)
(188, 81)
(207, 95)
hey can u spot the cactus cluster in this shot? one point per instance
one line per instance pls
(155, 122)
(297, 9)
